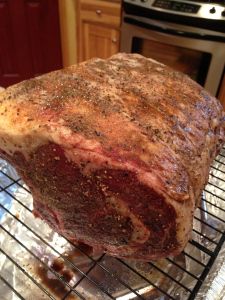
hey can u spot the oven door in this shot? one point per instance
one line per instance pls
(199, 53)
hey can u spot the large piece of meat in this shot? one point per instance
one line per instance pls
(115, 152)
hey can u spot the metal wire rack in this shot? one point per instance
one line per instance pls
(53, 273)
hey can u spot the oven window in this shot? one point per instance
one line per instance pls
(191, 62)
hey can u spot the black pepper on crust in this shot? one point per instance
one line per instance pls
(116, 152)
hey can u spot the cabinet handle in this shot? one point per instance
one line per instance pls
(98, 12)
(114, 40)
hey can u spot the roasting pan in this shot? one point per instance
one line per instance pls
(37, 263)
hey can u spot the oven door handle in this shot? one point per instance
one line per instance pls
(173, 31)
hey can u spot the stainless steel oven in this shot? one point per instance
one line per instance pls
(188, 35)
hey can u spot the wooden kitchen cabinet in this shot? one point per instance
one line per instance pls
(29, 39)
(98, 28)
(99, 41)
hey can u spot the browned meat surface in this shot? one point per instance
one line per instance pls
(116, 152)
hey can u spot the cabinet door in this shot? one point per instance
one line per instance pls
(29, 39)
(99, 41)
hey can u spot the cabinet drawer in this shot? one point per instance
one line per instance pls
(101, 12)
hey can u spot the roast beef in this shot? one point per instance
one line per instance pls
(116, 152)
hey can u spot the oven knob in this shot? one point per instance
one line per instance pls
(212, 10)
(223, 13)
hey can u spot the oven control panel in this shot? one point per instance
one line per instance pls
(177, 6)
(199, 9)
